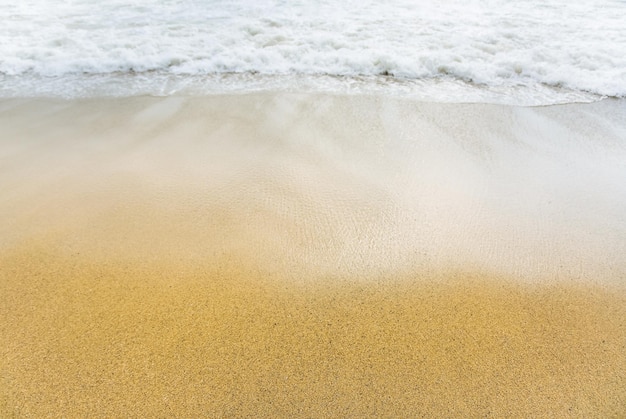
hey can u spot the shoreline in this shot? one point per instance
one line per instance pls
(448, 90)
(317, 255)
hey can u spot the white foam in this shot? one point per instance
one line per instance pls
(497, 44)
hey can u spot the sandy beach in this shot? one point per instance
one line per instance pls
(308, 255)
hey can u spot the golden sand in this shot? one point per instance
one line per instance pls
(98, 339)
(245, 256)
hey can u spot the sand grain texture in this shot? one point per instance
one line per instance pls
(311, 256)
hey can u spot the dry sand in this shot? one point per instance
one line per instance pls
(297, 255)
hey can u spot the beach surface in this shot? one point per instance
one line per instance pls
(311, 255)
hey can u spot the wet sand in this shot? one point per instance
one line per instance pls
(299, 255)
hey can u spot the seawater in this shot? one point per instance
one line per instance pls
(528, 52)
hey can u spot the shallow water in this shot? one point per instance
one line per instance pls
(331, 184)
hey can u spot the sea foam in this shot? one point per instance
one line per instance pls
(573, 51)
